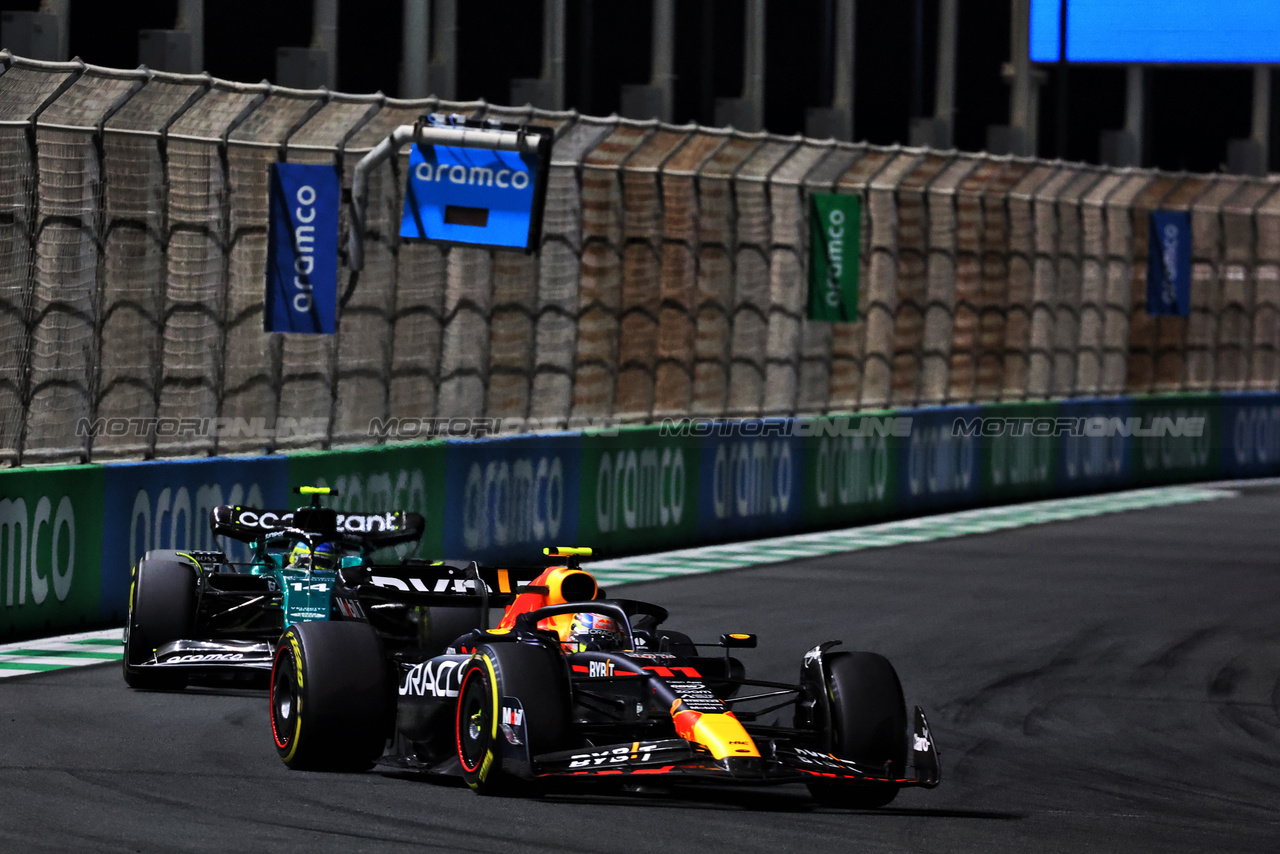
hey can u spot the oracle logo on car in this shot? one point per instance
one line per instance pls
(435, 678)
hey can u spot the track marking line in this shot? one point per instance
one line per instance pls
(983, 520)
(64, 652)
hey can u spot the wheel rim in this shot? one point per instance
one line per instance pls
(284, 691)
(473, 723)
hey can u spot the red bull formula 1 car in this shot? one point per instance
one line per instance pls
(570, 685)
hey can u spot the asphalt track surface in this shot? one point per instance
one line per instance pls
(1108, 684)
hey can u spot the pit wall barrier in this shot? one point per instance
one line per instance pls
(68, 535)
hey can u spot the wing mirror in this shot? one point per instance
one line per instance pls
(738, 640)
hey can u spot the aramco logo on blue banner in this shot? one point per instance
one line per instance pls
(469, 195)
(302, 250)
(1169, 263)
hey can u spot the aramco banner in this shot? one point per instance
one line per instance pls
(1169, 263)
(302, 250)
(478, 196)
(835, 238)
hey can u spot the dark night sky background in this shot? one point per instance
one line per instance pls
(1192, 111)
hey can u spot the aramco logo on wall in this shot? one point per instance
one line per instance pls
(512, 501)
(753, 478)
(639, 489)
(170, 518)
(37, 549)
(851, 470)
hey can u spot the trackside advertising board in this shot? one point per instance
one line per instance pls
(639, 490)
(302, 249)
(835, 241)
(165, 505)
(508, 498)
(477, 196)
(1016, 463)
(50, 549)
(940, 468)
(851, 467)
(1169, 263)
(1250, 434)
(69, 535)
(749, 483)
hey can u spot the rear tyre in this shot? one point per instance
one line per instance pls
(868, 725)
(331, 703)
(162, 608)
(535, 676)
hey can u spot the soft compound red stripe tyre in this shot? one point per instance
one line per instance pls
(868, 718)
(534, 677)
(331, 696)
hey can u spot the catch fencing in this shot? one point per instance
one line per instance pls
(671, 279)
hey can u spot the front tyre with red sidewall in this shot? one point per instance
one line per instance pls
(868, 719)
(475, 722)
(331, 696)
(535, 676)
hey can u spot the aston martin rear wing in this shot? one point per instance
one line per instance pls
(377, 530)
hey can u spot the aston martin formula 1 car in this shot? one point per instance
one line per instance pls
(194, 612)
(570, 685)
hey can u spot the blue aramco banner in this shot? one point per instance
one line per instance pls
(1169, 263)
(470, 195)
(751, 480)
(166, 505)
(508, 498)
(302, 249)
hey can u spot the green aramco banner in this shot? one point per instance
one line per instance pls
(835, 237)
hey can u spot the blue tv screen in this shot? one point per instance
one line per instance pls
(1158, 31)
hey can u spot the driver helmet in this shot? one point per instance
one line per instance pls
(324, 556)
(594, 633)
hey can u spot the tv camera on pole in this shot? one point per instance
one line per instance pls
(471, 182)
